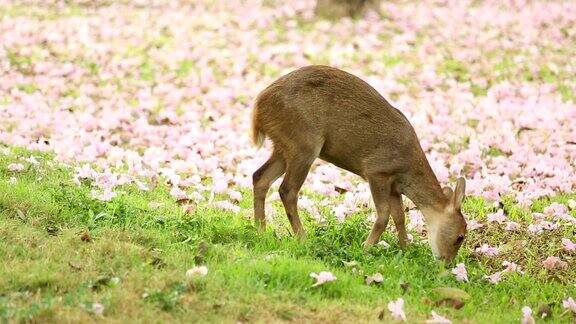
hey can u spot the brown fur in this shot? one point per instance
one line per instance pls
(320, 111)
(257, 135)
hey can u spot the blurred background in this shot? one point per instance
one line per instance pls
(166, 87)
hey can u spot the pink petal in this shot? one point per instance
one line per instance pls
(396, 308)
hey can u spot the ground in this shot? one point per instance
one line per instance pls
(63, 249)
(125, 161)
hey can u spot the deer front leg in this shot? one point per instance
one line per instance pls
(380, 189)
(397, 212)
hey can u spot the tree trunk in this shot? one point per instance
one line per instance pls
(335, 9)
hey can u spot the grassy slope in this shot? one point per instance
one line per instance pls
(50, 273)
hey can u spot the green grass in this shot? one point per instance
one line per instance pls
(63, 251)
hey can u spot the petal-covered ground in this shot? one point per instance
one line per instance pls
(168, 88)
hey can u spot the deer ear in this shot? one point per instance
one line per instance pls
(447, 192)
(459, 193)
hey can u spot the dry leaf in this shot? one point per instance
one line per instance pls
(450, 302)
(75, 265)
(85, 237)
(340, 190)
(449, 292)
(405, 286)
(452, 297)
(350, 264)
(544, 311)
(375, 278)
(20, 214)
(189, 208)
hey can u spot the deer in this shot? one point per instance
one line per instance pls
(323, 112)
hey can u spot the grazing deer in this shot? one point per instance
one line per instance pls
(320, 111)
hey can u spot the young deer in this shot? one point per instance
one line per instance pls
(320, 111)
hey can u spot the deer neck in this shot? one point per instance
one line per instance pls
(423, 188)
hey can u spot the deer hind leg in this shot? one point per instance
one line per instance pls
(296, 172)
(299, 159)
(262, 179)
